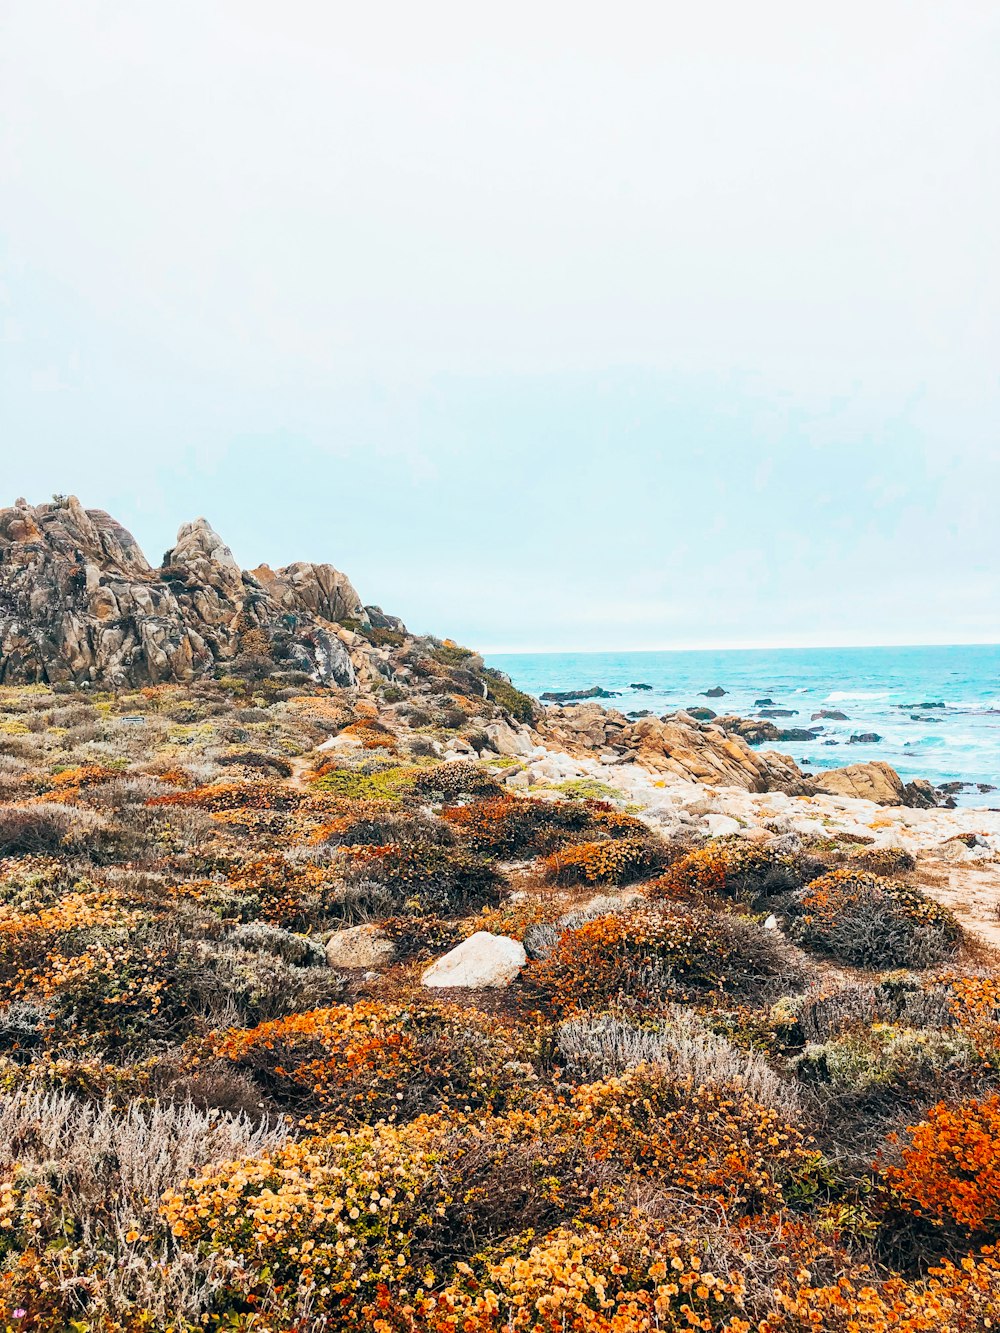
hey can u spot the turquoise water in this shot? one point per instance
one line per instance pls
(873, 686)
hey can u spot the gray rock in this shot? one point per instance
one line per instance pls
(359, 947)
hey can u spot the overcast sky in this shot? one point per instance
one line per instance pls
(554, 324)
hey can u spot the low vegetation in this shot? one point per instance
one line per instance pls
(739, 1086)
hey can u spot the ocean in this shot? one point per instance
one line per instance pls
(882, 690)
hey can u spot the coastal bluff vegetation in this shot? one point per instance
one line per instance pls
(345, 986)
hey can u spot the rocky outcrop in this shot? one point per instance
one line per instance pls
(573, 696)
(704, 752)
(756, 730)
(681, 745)
(80, 603)
(875, 781)
(320, 589)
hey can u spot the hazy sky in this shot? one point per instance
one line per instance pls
(553, 324)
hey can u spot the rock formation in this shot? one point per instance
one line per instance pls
(874, 781)
(80, 603)
(679, 745)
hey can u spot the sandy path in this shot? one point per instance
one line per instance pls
(972, 891)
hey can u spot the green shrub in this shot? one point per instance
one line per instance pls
(519, 705)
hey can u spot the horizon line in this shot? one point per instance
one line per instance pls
(508, 651)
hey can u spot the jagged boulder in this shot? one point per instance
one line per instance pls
(319, 589)
(875, 781)
(679, 744)
(704, 752)
(583, 727)
(80, 603)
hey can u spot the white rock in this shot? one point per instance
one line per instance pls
(483, 960)
(721, 826)
(340, 743)
(359, 946)
(809, 828)
(956, 850)
(771, 923)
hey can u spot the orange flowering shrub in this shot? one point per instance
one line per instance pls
(585, 1157)
(715, 1143)
(32, 942)
(423, 877)
(358, 1221)
(590, 1282)
(975, 1005)
(746, 871)
(699, 875)
(509, 825)
(316, 1228)
(373, 735)
(370, 1060)
(119, 990)
(285, 893)
(655, 953)
(951, 1169)
(355, 822)
(614, 861)
(867, 921)
(68, 783)
(953, 1298)
(235, 795)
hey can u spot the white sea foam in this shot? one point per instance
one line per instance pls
(839, 696)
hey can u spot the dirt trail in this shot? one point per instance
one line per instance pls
(971, 890)
(301, 766)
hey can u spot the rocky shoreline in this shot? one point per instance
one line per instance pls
(308, 920)
(82, 609)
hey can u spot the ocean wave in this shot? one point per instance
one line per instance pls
(839, 696)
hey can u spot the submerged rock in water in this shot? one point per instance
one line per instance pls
(638, 685)
(716, 692)
(864, 738)
(830, 714)
(572, 696)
